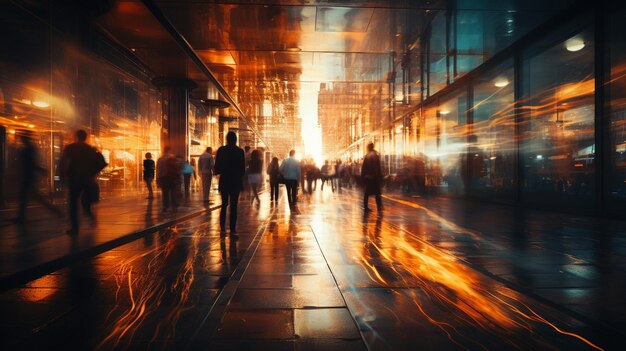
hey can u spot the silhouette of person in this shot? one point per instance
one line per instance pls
(230, 165)
(372, 177)
(255, 168)
(188, 171)
(273, 171)
(148, 173)
(168, 169)
(79, 170)
(29, 175)
(206, 163)
(290, 169)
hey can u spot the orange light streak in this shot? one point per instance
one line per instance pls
(457, 288)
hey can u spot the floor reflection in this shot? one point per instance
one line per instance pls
(326, 276)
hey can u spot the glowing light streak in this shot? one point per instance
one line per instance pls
(456, 287)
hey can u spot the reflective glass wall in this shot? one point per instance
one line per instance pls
(492, 140)
(558, 123)
(523, 125)
(616, 107)
(57, 77)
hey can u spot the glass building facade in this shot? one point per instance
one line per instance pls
(68, 77)
(519, 109)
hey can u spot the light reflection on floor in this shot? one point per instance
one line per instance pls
(320, 269)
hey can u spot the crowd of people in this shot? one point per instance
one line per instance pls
(239, 170)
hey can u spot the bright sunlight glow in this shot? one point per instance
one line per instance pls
(311, 131)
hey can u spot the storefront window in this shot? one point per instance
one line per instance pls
(492, 147)
(558, 141)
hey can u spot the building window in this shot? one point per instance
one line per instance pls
(492, 147)
(558, 138)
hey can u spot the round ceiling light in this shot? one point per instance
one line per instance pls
(501, 83)
(574, 44)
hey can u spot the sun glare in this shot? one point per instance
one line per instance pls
(311, 132)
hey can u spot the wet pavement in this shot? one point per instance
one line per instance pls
(431, 274)
(41, 244)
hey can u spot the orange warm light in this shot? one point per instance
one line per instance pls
(470, 300)
(146, 293)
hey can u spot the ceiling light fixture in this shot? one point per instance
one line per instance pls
(444, 112)
(41, 104)
(574, 44)
(501, 83)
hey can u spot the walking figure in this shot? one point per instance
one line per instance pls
(168, 170)
(230, 165)
(80, 163)
(148, 173)
(254, 174)
(206, 163)
(273, 171)
(30, 170)
(290, 169)
(372, 176)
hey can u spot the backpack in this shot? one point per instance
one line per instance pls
(187, 169)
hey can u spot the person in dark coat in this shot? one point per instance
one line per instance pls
(79, 170)
(148, 173)
(372, 176)
(230, 165)
(273, 171)
(168, 172)
(30, 170)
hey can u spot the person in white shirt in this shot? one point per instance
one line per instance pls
(290, 169)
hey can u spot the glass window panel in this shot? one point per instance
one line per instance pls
(492, 147)
(558, 141)
(437, 54)
(618, 108)
(445, 144)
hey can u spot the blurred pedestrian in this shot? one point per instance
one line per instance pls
(371, 174)
(206, 163)
(148, 173)
(291, 172)
(328, 172)
(80, 163)
(30, 171)
(273, 171)
(188, 172)
(168, 172)
(248, 155)
(254, 173)
(230, 165)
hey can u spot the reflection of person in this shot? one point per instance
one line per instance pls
(273, 172)
(168, 178)
(206, 163)
(148, 173)
(78, 168)
(230, 165)
(255, 167)
(290, 169)
(29, 171)
(372, 177)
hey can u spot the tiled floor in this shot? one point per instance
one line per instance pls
(429, 274)
(28, 249)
